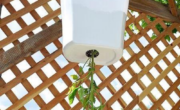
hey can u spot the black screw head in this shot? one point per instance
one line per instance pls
(89, 53)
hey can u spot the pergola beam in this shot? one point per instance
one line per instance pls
(173, 7)
(153, 8)
(28, 47)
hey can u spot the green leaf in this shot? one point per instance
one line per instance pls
(151, 18)
(75, 77)
(86, 91)
(86, 95)
(101, 107)
(125, 33)
(143, 23)
(92, 97)
(131, 11)
(174, 30)
(95, 85)
(92, 92)
(153, 36)
(159, 28)
(162, 1)
(167, 37)
(90, 70)
(72, 95)
(81, 94)
(71, 88)
(85, 102)
(92, 106)
(131, 26)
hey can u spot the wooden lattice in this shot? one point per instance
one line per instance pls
(150, 65)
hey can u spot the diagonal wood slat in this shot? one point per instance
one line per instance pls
(22, 12)
(36, 91)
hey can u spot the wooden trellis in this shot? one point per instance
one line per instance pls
(142, 57)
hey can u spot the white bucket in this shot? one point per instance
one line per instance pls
(93, 24)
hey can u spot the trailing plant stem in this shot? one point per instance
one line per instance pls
(86, 95)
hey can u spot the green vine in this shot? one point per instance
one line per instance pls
(160, 29)
(157, 26)
(86, 95)
(165, 2)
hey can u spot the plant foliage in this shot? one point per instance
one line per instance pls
(158, 27)
(86, 95)
(165, 2)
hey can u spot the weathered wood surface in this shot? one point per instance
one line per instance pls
(153, 8)
(33, 44)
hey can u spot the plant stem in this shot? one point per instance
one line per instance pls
(87, 98)
(86, 62)
(92, 80)
(99, 97)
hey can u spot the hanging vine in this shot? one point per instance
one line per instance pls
(165, 2)
(158, 27)
(86, 95)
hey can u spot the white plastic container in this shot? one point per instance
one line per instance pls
(93, 24)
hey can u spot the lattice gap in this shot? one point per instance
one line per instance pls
(146, 77)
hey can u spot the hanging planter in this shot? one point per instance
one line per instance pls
(92, 29)
(93, 24)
